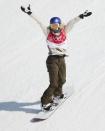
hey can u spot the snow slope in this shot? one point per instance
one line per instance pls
(23, 73)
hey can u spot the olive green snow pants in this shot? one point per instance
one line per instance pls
(57, 77)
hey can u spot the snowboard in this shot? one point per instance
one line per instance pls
(44, 115)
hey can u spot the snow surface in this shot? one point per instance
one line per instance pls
(23, 73)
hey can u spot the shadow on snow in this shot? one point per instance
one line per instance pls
(19, 106)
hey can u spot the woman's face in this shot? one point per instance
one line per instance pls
(54, 26)
(55, 29)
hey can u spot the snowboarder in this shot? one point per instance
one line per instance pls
(56, 34)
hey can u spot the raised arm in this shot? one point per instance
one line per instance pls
(72, 22)
(43, 27)
(29, 12)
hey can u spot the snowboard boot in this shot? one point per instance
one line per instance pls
(47, 107)
(56, 99)
(61, 96)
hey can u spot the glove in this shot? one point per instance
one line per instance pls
(85, 14)
(28, 10)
